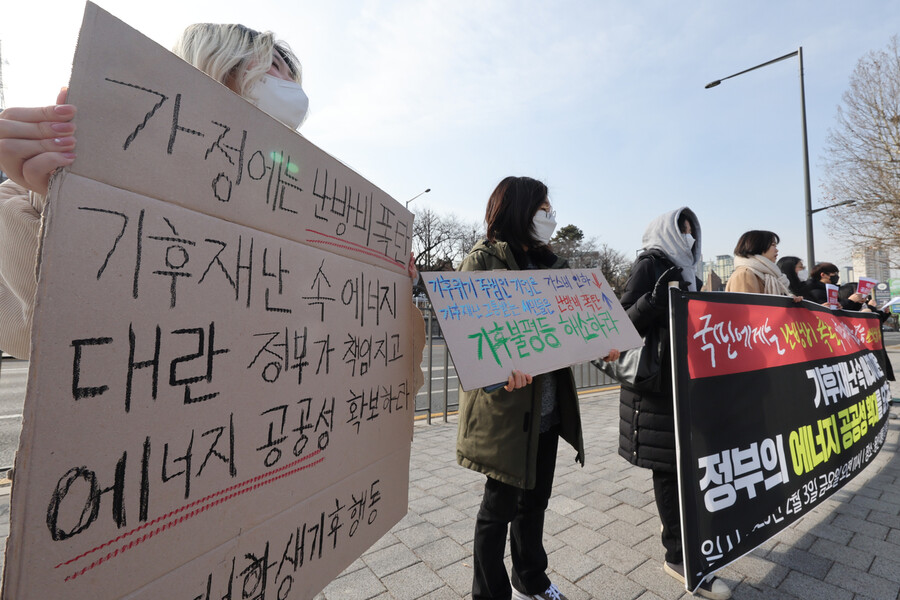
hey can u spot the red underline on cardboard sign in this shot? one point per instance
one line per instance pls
(266, 475)
(350, 246)
(182, 519)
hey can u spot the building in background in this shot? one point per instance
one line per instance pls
(872, 263)
(716, 272)
(724, 267)
(707, 269)
(712, 282)
(848, 274)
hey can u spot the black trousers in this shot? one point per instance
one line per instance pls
(506, 508)
(665, 488)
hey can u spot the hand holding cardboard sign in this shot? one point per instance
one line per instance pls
(36, 141)
(517, 379)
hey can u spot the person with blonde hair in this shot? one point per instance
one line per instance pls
(250, 63)
(36, 141)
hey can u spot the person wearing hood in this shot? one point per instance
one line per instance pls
(671, 254)
(518, 460)
(755, 269)
(821, 274)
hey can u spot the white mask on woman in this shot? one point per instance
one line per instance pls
(284, 100)
(802, 274)
(688, 239)
(544, 225)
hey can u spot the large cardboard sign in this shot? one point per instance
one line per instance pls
(535, 320)
(220, 398)
(778, 405)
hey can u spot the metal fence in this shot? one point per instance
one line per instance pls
(442, 399)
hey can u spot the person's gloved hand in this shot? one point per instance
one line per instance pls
(660, 295)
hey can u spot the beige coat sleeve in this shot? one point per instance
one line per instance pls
(744, 280)
(20, 234)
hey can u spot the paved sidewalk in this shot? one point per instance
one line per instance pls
(602, 531)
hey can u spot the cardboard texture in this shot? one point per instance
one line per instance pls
(220, 398)
(534, 321)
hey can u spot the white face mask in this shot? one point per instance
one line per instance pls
(544, 225)
(803, 275)
(284, 100)
(688, 239)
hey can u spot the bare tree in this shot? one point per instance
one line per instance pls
(863, 155)
(615, 266)
(441, 241)
(470, 235)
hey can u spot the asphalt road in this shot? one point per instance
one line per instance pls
(13, 378)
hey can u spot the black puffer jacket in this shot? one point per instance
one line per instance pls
(815, 291)
(646, 421)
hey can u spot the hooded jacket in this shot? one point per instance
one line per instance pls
(498, 431)
(646, 420)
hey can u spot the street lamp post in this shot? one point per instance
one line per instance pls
(416, 196)
(844, 203)
(810, 250)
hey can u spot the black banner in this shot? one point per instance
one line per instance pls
(777, 406)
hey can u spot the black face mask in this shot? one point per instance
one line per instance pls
(834, 279)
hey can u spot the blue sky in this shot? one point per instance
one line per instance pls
(604, 101)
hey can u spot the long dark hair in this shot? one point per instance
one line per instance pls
(510, 211)
(788, 266)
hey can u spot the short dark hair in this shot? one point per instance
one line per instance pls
(755, 242)
(822, 267)
(511, 209)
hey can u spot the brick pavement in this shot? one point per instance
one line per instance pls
(602, 531)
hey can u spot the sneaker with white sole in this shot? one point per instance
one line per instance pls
(551, 593)
(712, 587)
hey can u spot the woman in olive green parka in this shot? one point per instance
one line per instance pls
(498, 430)
(511, 434)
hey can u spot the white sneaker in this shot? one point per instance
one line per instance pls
(551, 593)
(712, 587)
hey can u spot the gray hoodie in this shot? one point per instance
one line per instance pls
(663, 234)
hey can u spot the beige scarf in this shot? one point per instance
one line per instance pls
(774, 281)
